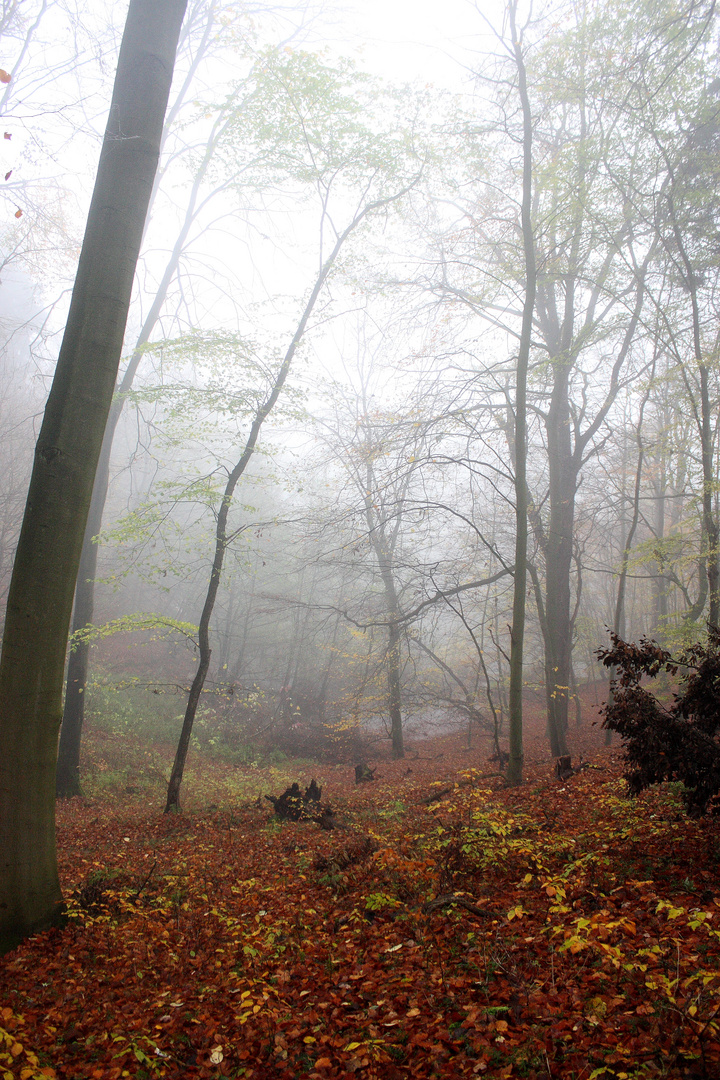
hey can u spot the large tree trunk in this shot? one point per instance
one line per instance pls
(66, 455)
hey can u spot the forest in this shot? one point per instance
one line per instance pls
(359, 539)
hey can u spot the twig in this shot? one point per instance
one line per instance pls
(152, 871)
(429, 799)
(438, 795)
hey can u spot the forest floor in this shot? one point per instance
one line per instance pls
(553, 930)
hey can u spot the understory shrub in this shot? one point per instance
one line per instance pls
(673, 742)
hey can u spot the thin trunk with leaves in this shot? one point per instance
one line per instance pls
(222, 537)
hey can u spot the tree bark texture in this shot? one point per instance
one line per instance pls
(66, 456)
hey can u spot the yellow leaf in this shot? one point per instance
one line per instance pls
(352, 1046)
(309, 1039)
(596, 1006)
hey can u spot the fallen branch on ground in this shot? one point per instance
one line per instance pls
(450, 899)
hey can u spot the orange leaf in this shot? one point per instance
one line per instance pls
(5, 76)
(18, 212)
(323, 1063)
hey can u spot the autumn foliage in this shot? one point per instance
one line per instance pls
(555, 930)
(673, 742)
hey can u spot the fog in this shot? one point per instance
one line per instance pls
(346, 208)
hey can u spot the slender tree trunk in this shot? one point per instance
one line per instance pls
(66, 456)
(221, 538)
(384, 555)
(705, 425)
(517, 637)
(712, 532)
(68, 770)
(67, 778)
(619, 618)
(325, 681)
(558, 560)
(394, 693)
(659, 580)
(576, 696)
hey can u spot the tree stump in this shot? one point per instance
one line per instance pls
(296, 805)
(564, 767)
(363, 773)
